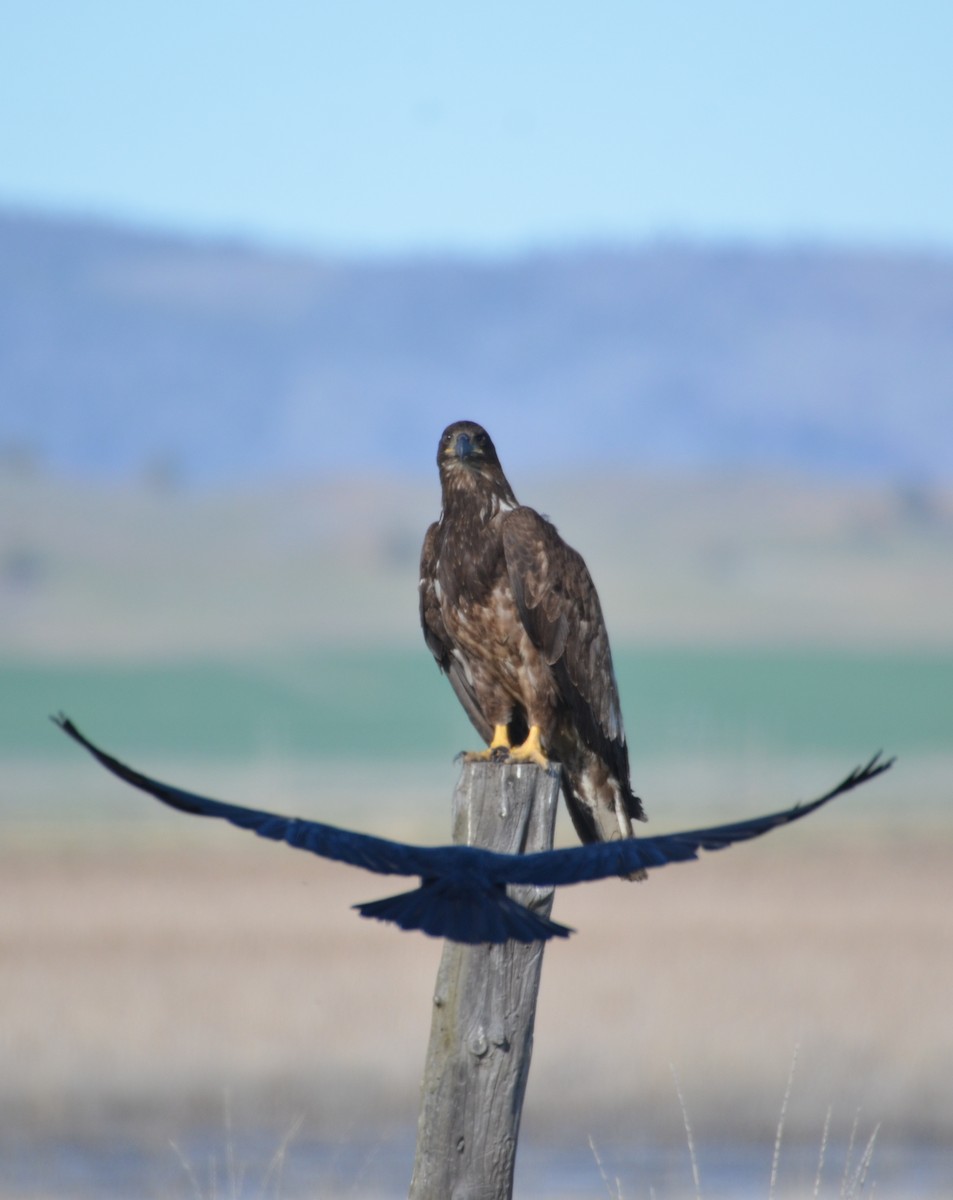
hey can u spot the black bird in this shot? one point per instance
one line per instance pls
(462, 892)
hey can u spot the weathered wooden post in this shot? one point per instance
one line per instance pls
(481, 1035)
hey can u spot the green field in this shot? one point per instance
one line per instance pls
(392, 705)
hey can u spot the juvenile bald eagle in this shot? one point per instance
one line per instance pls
(511, 615)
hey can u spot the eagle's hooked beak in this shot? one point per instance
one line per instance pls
(464, 447)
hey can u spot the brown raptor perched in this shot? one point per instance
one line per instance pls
(511, 615)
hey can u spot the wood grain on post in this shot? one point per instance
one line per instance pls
(481, 1035)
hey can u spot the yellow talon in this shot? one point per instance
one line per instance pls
(500, 742)
(531, 750)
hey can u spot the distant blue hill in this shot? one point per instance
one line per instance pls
(123, 352)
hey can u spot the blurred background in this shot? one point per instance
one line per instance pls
(692, 266)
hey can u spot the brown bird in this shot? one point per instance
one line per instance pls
(511, 614)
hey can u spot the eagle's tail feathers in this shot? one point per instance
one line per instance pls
(463, 914)
(634, 807)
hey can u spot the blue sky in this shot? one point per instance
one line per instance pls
(488, 128)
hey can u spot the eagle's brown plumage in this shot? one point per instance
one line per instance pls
(511, 614)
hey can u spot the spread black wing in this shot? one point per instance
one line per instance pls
(582, 864)
(342, 845)
(462, 895)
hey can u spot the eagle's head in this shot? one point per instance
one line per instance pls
(468, 444)
(468, 462)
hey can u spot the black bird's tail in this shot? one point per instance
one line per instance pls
(471, 914)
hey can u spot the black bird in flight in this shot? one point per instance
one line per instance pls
(462, 891)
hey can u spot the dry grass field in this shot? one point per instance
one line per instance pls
(91, 573)
(144, 983)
